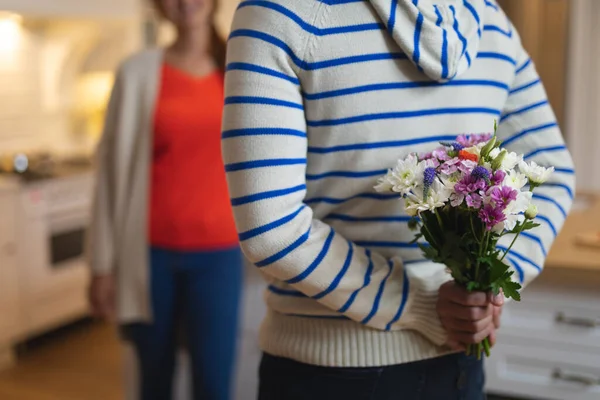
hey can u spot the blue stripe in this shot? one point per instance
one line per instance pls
(544, 150)
(274, 162)
(493, 28)
(261, 100)
(567, 188)
(518, 269)
(262, 132)
(521, 68)
(475, 15)
(402, 85)
(534, 129)
(379, 294)
(372, 196)
(524, 110)
(308, 27)
(565, 170)
(417, 37)
(271, 194)
(550, 200)
(337, 2)
(351, 218)
(336, 281)
(492, 5)
(380, 145)
(537, 240)
(392, 20)
(403, 114)
(550, 224)
(444, 56)
(400, 245)
(345, 174)
(405, 290)
(316, 261)
(279, 255)
(239, 66)
(496, 56)
(525, 86)
(462, 39)
(270, 226)
(366, 282)
(319, 64)
(521, 257)
(286, 292)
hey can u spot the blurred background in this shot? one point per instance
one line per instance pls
(57, 59)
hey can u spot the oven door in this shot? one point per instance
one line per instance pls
(66, 238)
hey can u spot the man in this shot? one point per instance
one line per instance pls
(322, 96)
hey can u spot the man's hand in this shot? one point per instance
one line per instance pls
(469, 317)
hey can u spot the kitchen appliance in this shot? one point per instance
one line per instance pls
(53, 216)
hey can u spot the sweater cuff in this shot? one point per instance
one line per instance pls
(422, 316)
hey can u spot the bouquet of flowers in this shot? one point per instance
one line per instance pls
(465, 196)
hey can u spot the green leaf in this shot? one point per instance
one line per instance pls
(418, 236)
(511, 290)
(473, 286)
(429, 252)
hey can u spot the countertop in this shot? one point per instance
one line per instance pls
(566, 253)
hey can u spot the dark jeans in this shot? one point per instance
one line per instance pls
(453, 377)
(194, 294)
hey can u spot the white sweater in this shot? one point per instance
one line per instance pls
(322, 96)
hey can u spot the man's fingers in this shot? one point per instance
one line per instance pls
(463, 326)
(461, 296)
(458, 311)
(470, 338)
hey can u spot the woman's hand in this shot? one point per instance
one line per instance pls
(469, 317)
(102, 296)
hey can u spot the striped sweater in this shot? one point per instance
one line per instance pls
(322, 96)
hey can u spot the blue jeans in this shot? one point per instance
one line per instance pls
(453, 377)
(194, 294)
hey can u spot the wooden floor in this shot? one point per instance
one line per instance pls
(80, 363)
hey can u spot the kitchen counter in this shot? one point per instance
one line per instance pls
(565, 252)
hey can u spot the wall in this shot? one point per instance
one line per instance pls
(40, 62)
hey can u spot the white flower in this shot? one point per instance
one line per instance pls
(510, 161)
(405, 177)
(515, 180)
(437, 196)
(532, 212)
(515, 209)
(495, 153)
(535, 173)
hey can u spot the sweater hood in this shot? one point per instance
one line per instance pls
(441, 37)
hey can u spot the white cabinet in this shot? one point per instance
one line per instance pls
(549, 344)
(117, 9)
(9, 282)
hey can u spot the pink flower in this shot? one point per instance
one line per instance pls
(441, 154)
(498, 177)
(456, 164)
(501, 196)
(472, 140)
(474, 200)
(491, 216)
(470, 188)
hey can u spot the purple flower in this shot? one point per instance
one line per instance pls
(456, 164)
(455, 145)
(441, 154)
(498, 178)
(474, 200)
(502, 196)
(470, 189)
(481, 173)
(491, 216)
(428, 177)
(472, 140)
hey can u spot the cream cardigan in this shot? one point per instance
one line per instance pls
(118, 240)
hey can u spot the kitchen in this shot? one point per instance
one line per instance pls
(57, 59)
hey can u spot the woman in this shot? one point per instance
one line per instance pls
(322, 96)
(164, 251)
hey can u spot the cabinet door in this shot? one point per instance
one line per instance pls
(9, 283)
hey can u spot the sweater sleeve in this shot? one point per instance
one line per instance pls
(264, 145)
(528, 126)
(101, 252)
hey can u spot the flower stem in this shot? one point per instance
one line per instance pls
(513, 241)
(486, 346)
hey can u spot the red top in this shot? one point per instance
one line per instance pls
(189, 202)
